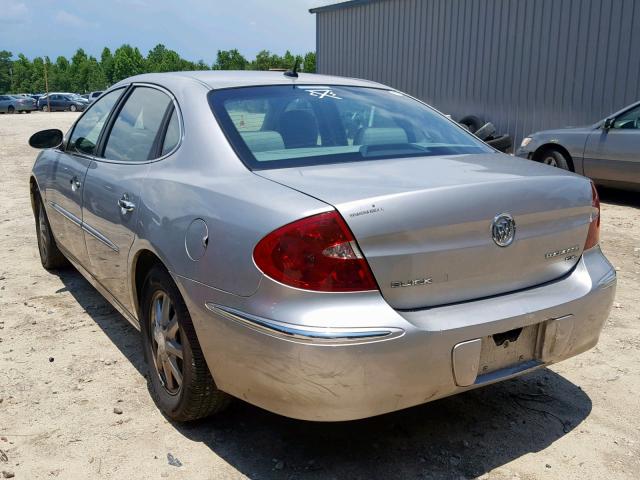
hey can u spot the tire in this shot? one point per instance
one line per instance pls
(195, 396)
(73, 108)
(501, 143)
(474, 123)
(11, 109)
(486, 131)
(50, 255)
(27, 111)
(555, 158)
(45, 108)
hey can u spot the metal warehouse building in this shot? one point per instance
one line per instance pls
(525, 65)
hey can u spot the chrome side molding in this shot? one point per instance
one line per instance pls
(84, 226)
(305, 334)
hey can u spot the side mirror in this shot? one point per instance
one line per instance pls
(46, 138)
(608, 123)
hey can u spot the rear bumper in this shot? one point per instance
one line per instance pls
(371, 359)
(25, 108)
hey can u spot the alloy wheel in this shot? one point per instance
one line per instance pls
(166, 344)
(550, 161)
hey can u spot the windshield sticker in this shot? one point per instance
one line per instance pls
(322, 93)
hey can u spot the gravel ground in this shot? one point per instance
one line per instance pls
(74, 401)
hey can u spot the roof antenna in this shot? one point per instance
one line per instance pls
(294, 71)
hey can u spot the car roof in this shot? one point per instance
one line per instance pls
(216, 79)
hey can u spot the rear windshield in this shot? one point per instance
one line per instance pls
(289, 126)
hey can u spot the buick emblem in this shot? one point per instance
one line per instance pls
(503, 230)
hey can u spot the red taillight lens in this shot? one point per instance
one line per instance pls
(315, 253)
(593, 237)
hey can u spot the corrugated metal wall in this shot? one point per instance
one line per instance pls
(525, 65)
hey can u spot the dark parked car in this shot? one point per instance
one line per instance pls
(16, 103)
(62, 101)
(608, 151)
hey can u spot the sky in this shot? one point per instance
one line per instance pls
(196, 29)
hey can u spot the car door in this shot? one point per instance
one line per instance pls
(111, 201)
(54, 101)
(613, 154)
(4, 103)
(65, 189)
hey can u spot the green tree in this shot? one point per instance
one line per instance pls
(263, 61)
(96, 79)
(127, 61)
(22, 75)
(161, 59)
(310, 62)
(84, 73)
(79, 71)
(106, 62)
(59, 75)
(200, 65)
(37, 76)
(288, 60)
(230, 60)
(6, 66)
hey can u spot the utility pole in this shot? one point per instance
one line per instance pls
(46, 84)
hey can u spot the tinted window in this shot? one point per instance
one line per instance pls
(172, 137)
(281, 126)
(136, 127)
(629, 120)
(86, 132)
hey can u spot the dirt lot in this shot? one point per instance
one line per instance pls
(67, 360)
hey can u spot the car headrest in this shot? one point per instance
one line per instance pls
(380, 136)
(263, 141)
(299, 129)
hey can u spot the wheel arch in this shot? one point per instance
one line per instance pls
(34, 190)
(143, 261)
(537, 155)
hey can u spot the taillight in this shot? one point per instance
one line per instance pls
(593, 237)
(315, 253)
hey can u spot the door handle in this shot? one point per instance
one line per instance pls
(75, 184)
(125, 205)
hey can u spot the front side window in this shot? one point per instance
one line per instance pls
(285, 126)
(87, 130)
(629, 119)
(134, 131)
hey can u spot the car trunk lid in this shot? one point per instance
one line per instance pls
(424, 224)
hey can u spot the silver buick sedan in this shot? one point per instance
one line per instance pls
(325, 248)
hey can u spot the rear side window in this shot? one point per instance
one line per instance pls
(287, 126)
(86, 132)
(136, 127)
(172, 136)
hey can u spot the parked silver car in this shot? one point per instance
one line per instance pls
(16, 104)
(608, 151)
(322, 247)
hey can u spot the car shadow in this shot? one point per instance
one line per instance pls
(463, 436)
(625, 198)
